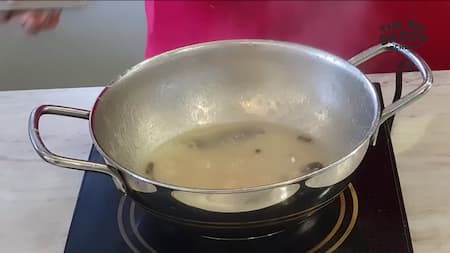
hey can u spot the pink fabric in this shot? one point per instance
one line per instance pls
(174, 24)
(340, 27)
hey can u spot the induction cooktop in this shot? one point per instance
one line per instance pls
(369, 216)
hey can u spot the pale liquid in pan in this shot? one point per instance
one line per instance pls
(234, 155)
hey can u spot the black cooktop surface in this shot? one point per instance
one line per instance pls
(367, 217)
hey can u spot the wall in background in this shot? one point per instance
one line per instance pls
(91, 46)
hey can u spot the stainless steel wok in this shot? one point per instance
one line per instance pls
(295, 85)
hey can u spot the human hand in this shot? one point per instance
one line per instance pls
(32, 21)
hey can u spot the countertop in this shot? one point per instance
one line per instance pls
(38, 199)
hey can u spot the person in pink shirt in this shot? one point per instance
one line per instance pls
(343, 28)
(173, 24)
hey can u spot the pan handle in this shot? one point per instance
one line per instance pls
(48, 156)
(421, 65)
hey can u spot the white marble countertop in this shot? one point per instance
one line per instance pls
(38, 199)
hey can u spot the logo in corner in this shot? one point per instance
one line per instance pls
(409, 35)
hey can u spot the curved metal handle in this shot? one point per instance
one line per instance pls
(48, 156)
(421, 65)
